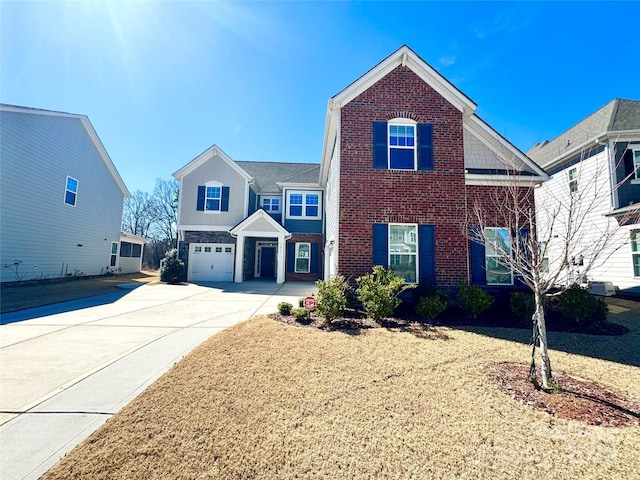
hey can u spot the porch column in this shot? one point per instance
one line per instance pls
(281, 259)
(237, 278)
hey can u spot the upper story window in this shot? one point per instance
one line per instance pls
(71, 191)
(636, 164)
(213, 197)
(635, 252)
(402, 144)
(304, 205)
(497, 248)
(271, 204)
(573, 180)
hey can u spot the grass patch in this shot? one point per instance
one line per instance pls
(269, 400)
(36, 294)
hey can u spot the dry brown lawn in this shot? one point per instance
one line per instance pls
(266, 400)
(29, 295)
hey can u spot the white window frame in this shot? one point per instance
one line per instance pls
(68, 190)
(403, 122)
(498, 255)
(635, 251)
(270, 208)
(299, 257)
(635, 152)
(414, 254)
(212, 184)
(573, 180)
(113, 259)
(304, 194)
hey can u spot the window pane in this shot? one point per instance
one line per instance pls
(125, 249)
(213, 192)
(302, 265)
(636, 265)
(295, 199)
(635, 241)
(136, 250)
(312, 199)
(303, 250)
(207, 249)
(405, 266)
(498, 242)
(497, 274)
(218, 249)
(402, 238)
(114, 248)
(70, 198)
(112, 262)
(72, 184)
(295, 210)
(312, 211)
(213, 205)
(275, 203)
(402, 158)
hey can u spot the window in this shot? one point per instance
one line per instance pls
(207, 249)
(304, 205)
(218, 249)
(114, 254)
(271, 204)
(544, 255)
(402, 147)
(71, 192)
(303, 258)
(573, 180)
(636, 163)
(497, 248)
(128, 249)
(213, 197)
(635, 252)
(403, 251)
(197, 249)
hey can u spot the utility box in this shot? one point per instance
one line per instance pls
(606, 289)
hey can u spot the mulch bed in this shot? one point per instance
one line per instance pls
(574, 399)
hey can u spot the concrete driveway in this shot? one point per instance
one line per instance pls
(67, 368)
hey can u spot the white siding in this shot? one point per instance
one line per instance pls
(332, 208)
(214, 169)
(38, 153)
(594, 176)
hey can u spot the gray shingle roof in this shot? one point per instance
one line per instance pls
(268, 174)
(617, 115)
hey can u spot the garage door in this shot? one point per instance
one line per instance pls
(211, 262)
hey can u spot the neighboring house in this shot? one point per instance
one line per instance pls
(243, 220)
(405, 161)
(600, 154)
(61, 198)
(129, 256)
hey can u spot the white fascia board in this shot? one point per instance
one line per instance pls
(330, 138)
(133, 238)
(259, 214)
(502, 180)
(405, 56)
(205, 228)
(207, 155)
(501, 141)
(299, 186)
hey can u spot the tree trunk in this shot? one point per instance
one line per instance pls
(545, 363)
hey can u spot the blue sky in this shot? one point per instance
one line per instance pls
(163, 81)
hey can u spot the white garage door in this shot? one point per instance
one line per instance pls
(211, 262)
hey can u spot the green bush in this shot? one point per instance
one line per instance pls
(473, 300)
(523, 305)
(301, 314)
(172, 269)
(285, 308)
(579, 307)
(332, 297)
(431, 306)
(301, 302)
(379, 292)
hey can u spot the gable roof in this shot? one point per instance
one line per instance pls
(208, 154)
(404, 56)
(259, 223)
(267, 175)
(615, 118)
(84, 120)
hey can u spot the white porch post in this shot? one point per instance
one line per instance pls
(239, 258)
(281, 259)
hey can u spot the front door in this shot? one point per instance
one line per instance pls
(268, 262)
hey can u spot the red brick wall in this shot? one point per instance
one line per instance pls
(307, 277)
(369, 196)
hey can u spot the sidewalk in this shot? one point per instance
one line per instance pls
(66, 372)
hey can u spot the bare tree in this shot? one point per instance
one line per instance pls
(552, 241)
(165, 199)
(139, 214)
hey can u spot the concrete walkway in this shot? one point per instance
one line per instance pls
(67, 368)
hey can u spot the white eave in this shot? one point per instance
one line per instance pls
(207, 155)
(132, 237)
(483, 180)
(259, 214)
(300, 186)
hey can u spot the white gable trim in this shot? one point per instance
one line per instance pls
(208, 154)
(502, 180)
(407, 57)
(245, 225)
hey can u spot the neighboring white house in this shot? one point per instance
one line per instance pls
(61, 197)
(598, 161)
(130, 253)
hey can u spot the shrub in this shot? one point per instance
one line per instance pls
(301, 314)
(379, 292)
(432, 305)
(579, 307)
(523, 305)
(332, 297)
(172, 268)
(301, 302)
(285, 308)
(473, 300)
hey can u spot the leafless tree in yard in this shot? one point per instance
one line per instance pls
(552, 241)
(139, 214)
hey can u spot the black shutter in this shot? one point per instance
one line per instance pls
(291, 257)
(478, 268)
(380, 151)
(381, 244)
(200, 204)
(314, 258)
(425, 146)
(224, 203)
(427, 252)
